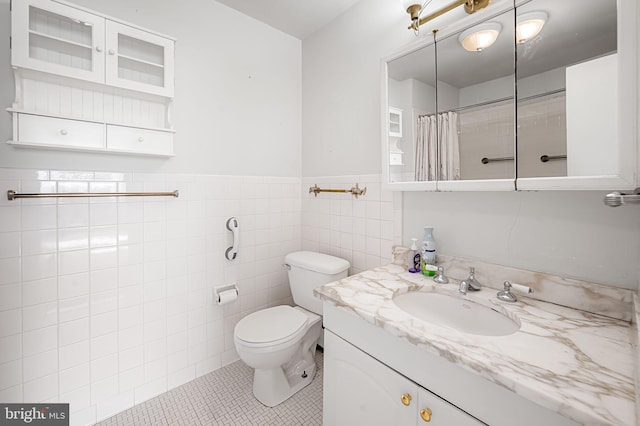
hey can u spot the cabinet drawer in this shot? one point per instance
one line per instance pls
(143, 141)
(34, 129)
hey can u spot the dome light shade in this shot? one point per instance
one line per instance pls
(407, 3)
(529, 25)
(480, 37)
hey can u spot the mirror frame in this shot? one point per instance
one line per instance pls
(629, 155)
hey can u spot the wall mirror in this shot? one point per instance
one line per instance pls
(539, 105)
(476, 97)
(568, 127)
(412, 95)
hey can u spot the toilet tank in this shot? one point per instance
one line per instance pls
(308, 270)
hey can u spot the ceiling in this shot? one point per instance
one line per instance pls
(299, 18)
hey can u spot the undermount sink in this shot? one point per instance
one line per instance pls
(455, 312)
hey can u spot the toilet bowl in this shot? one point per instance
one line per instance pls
(281, 353)
(280, 342)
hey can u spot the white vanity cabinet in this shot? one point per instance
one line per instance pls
(358, 389)
(88, 82)
(367, 370)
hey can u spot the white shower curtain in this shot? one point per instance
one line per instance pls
(428, 149)
(425, 160)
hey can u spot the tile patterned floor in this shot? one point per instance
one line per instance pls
(225, 397)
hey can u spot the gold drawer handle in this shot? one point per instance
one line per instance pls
(406, 399)
(425, 414)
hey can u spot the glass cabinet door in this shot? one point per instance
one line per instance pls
(567, 102)
(58, 39)
(139, 60)
(476, 113)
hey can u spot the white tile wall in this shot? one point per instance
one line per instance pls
(361, 230)
(107, 302)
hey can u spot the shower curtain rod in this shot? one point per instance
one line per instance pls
(496, 101)
(12, 195)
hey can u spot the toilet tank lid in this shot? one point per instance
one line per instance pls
(317, 262)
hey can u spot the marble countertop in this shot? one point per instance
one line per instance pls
(578, 364)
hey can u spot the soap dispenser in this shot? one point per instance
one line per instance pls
(414, 257)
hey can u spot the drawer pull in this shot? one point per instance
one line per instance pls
(406, 399)
(140, 139)
(63, 132)
(425, 413)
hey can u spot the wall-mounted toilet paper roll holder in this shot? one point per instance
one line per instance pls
(226, 289)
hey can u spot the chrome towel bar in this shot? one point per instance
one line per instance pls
(12, 195)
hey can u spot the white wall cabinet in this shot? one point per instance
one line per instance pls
(395, 122)
(106, 84)
(56, 38)
(358, 389)
(139, 60)
(52, 37)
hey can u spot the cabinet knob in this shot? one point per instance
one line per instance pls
(112, 52)
(98, 49)
(406, 399)
(140, 139)
(425, 413)
(63, 132)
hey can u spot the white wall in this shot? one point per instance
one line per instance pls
(106, 303)
(238, 93)
(361, 230)
(539, 231)
(341, 88)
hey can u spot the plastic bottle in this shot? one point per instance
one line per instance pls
(428, 253)
(414, 257)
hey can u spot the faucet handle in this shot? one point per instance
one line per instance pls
(506, 295)
(440, 278)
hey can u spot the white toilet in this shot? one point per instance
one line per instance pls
(280, 342)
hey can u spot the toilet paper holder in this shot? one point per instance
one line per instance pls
(225, 294)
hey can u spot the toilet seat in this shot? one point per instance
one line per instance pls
(271, 326)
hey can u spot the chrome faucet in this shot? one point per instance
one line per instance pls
(472, 283)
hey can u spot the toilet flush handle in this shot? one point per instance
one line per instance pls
(286, 266)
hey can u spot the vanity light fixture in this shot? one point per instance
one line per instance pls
(478, 38)
(529, 25)
(415, 8)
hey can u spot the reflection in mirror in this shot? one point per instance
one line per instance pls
(567, 89)
(411, 93)
(475, 116)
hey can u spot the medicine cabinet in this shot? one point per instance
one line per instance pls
(563, 118)
(89, 82)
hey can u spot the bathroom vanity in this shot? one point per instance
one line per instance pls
(383, 365)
